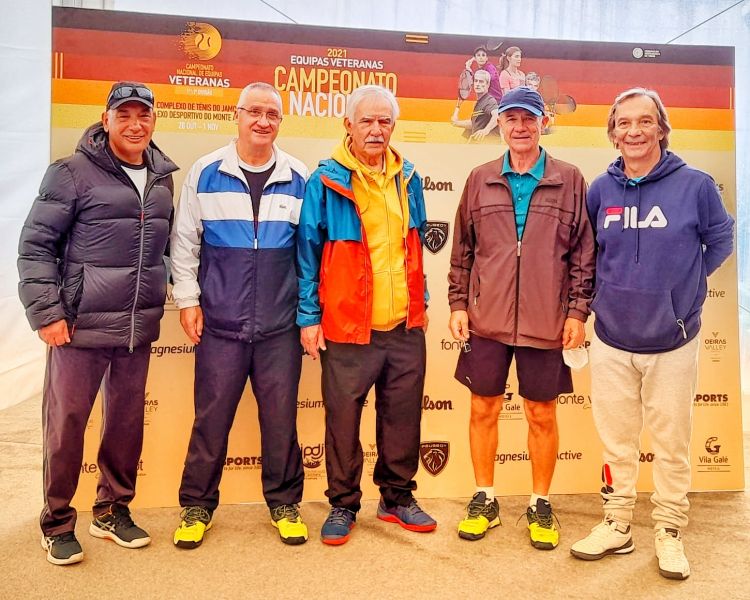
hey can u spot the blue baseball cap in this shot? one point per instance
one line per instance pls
(522, 97)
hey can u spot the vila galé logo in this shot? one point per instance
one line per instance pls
(713, 460)
(434, 456)
(511, 410)
(711, 446)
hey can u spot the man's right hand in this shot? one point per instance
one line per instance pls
(312, 340)
(191, 319)
(459, 325)
(55, 334)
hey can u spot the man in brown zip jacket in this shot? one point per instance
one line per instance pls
(520, 284)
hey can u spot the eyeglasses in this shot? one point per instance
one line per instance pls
(465, 346)
(129, 91)
(255, 113)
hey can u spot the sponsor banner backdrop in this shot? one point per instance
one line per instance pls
(197, 69)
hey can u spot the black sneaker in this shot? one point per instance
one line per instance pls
(62, 549)
(117, 525)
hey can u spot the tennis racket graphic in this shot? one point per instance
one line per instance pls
(558, 104)
(465, 83)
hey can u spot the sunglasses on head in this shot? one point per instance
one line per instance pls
(129, 91)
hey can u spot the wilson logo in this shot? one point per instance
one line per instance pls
(655, 218)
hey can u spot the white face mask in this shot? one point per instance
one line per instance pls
(576, 358)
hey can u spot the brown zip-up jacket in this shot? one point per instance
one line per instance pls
(519, 292)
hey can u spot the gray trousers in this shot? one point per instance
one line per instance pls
(628, 390)
(72, 380)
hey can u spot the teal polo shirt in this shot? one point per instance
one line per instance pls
(522, 185)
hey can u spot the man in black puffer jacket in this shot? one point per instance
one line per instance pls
(93, 281)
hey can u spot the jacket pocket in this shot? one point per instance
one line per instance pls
(71, 290)
(474, 287)
(640, 319)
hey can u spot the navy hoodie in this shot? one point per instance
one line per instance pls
(658, 239)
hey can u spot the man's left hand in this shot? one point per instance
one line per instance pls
(574, 333)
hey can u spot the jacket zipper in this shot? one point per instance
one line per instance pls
(681, 323)
(142, 226)
(518, 285)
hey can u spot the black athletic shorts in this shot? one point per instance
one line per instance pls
(542, 374)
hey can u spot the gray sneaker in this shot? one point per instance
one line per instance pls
(62, 549)
(117, 525)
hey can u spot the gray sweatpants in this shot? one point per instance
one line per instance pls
(628, 390)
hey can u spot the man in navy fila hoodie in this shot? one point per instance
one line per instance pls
(661, 229)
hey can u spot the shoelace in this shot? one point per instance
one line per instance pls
(475, 509)
(68, 536)
(286, 511)
(544, 521)
(670, 542)
(673, 553)
(194, 514)
(339, 516)
(413, 508)
(603, 529)
(121, 517)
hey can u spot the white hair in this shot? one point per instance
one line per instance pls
(367, 91)
(483, 74)
(259, 85)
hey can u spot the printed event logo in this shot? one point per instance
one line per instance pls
(715, 345)
(312, 456)
(713, 461)
(242, 463)
(370, 456)
(436, 235)
(200, 41)
(511, 408)
(711, 446)
(150, 408)
(711, 400)
(434, 456)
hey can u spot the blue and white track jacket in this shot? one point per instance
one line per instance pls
(244, 281)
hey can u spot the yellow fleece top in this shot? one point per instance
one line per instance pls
(385, 218)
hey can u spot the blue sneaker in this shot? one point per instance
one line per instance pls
(337, 526)
(410, 517)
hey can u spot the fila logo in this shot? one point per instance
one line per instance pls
(629, 215)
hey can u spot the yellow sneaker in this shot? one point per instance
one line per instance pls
(196, 521)
(542, 531)
(480, 517)
(288, 521)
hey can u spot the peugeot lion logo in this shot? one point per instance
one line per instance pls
(434, 456)
(436, 235)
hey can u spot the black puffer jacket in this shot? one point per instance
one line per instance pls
(92, 253)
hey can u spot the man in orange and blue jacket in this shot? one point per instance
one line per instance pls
(362, 309)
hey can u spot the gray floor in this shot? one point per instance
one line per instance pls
(243, 558)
